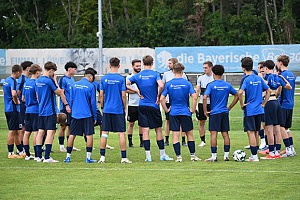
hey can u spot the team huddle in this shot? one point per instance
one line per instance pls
(266, 97)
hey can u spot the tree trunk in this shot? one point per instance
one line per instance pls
(268, 23)
(37, 18)
(105, 13)
(238, 7)
(126, 9)
(221, 8)
(77, 13)
(111, 14)
(148, 7)
(276, 21)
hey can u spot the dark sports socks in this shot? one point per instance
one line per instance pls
(26, 147)
(214, 149)
(147, 145)
(130, 139)
(48, 151)
(61, 140)
(176, 147)
(253, 150)
(167, 138)
(123, 154)
(226, 148)
(203, 138)
(191, 145)
(102, 152)
(160, 144)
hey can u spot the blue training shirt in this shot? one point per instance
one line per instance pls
(29, 93)
(146, 81)
(287, 96)
(9, 85)
(113, 85)
(66, 84)
(218, 92)
(21, 82)
(83, 100)
(97, 88)
(253, 86)
(45, 87)
(179, 91)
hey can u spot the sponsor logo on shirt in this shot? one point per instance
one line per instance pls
(80, 86)
(112, 82)
(220, 87)
(40, 84)
(145, 77)
(255, 83)
(175, 87)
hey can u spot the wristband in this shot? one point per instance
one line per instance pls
(66, 104)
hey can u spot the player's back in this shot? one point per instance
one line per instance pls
(20, 86)
(66, 84)
(113, 84)
(287, 96)
(9, 84)
(29, 93)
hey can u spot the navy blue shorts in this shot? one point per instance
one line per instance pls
(133, 113)
(99, 118)
(22, 113)
(200, 115)
(31, 122)
(252, 123)
(287, 117)
(13, 120)
(113, 122)
(82, 126)
(184, 121)
(149, 117)
(69, 117)
(219, 122)
(168, 114)
(273, 114)
(47, 122)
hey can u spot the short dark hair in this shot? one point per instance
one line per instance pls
(269, 64)
(209, 63)
(50, 65)
(114, 62)
(135, 61)
(173, 60)
(34, 68)
(284, 59)
(178, 67)
(26, 64)
(148, 60)
(90, 72)
(91, 69)
(16, 68)
(70, 65)
(218, 70)
(247, 63)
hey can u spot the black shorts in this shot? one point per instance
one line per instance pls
(13, 120)
(200, 115)
(149, 117)
(273, 114)
(133, 113)
(252, 123)
(287, 117)
(31, 122)
(82, 126)
(22, 113)
(184, 121)
(113, 122)
(47, 122)
(219, 122)
(99, 118)
(168, 114)
(69, 117)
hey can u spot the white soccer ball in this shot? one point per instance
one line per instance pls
(239, 155)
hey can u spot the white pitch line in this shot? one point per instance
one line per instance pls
(147, 169)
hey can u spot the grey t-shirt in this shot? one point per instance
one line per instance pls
(133, 99)
(202, 82)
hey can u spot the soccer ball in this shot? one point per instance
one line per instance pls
(239, 155)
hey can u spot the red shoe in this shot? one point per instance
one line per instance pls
(264, 152)
(277, 156)
(283, 152)
(268, 157)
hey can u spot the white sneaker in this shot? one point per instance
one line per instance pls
(125, 161)
(211, 159)
(195, 158)
(50, 160)
(202, 144)
(75, 149)
(252, 159)
(38, 159)
(102, 159)
(63, 150)
(179, 159)
(109, 147)
(29, 157)
(261, 146)
(247, 147)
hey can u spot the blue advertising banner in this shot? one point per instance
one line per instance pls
(228, 56)
(2, 57)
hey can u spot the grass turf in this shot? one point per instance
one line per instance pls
(278, 179)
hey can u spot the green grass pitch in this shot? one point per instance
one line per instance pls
(267, 179)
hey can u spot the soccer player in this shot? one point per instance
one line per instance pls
(219, 91)
(133, 103)
(150, 88)
(32, 109)
(287, 97)
(179, 91)
(253, 105)
(47, 87)
(11, 108)
(273, 113)
(21, 81)
(84, 117)
(65, 83)
(113, 101)
(200, 89)
(169, 75)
